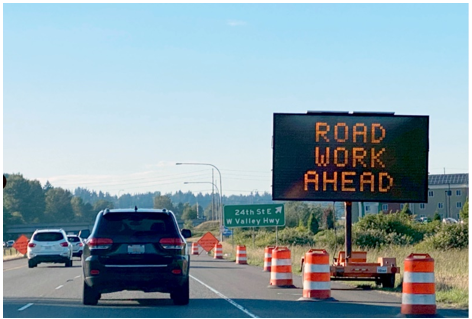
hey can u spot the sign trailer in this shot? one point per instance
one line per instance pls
(341, 156)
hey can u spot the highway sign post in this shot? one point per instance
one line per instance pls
(264, 215)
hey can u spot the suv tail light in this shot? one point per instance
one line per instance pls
(31, 245)
(172, 243)
(64, 244)
(99, 243)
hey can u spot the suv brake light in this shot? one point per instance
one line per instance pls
(99, 243)
(31, 245)
(64, 244)
(172, 243)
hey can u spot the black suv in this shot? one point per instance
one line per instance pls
(136, 249)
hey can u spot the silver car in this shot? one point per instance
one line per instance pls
(77, 245)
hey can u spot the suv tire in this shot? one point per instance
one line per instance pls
(31, 264)
(181, 295)
(90, 296)
(68, 263)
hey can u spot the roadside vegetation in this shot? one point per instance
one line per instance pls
(382, 235)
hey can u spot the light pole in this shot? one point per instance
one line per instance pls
(221, 193)
(207, 183)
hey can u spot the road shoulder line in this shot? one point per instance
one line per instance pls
(226, 298)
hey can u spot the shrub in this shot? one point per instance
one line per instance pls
(291, 236)
(375, 231)
(451, 236)
(329, 239)
(371, 238)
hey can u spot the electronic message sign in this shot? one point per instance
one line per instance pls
(350, 157)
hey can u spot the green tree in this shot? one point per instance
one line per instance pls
(102, 204)
(296, 211)
(406, 210)
(190, 212)
(58, 205)
(313, 224)
(436, 216)
(24, 199)
(47, 186)
(79, 209)
(328, 218)
(464, 213)
(163, 201)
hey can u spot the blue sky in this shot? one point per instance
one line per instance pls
(110, 96)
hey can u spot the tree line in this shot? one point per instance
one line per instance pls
(27, 201)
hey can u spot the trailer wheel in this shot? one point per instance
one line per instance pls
(388, 281)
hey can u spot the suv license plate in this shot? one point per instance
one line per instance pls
(135, 249)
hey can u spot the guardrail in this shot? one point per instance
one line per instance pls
(10, 252)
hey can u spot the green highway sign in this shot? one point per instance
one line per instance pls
(264, 215)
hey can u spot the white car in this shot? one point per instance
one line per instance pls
(77, 245)
(49, 246)
(449, 221)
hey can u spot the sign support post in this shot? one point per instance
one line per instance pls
(276, 236)
(348, 227)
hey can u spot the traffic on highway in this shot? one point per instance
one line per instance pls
(217, 288)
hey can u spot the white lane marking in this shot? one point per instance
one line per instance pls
(59, 287)
(226, 298)
(77, 276)
(25, 306)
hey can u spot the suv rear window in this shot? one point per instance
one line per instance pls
(73, 239)
(52, 236)
(136, 224)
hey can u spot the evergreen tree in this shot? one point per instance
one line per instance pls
(313, 224)
(24, 199)
(58, 206)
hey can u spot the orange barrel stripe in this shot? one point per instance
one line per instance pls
(316, 275)
(281, 268)
(418, 289)
(194, 248)
(268, 258)
(241, 257)
(218, 251)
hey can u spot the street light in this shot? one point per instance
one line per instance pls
(221, 192)
(207, 183)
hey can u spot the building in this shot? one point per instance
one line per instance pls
(447, 194)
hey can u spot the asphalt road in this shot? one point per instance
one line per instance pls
(218, 289)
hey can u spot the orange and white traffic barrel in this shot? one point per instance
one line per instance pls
(194, 248)
(418, 289)
(268, 258)
(316, 275)
(218, 253)
(241, 257)
(281, 268)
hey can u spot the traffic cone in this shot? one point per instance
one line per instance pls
(316, 275)
(418, 289)
(194, 248)
(218, 251)
(241, 257)
(281, 268)
(268, 258)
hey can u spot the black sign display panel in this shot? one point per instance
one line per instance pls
(350, 157)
